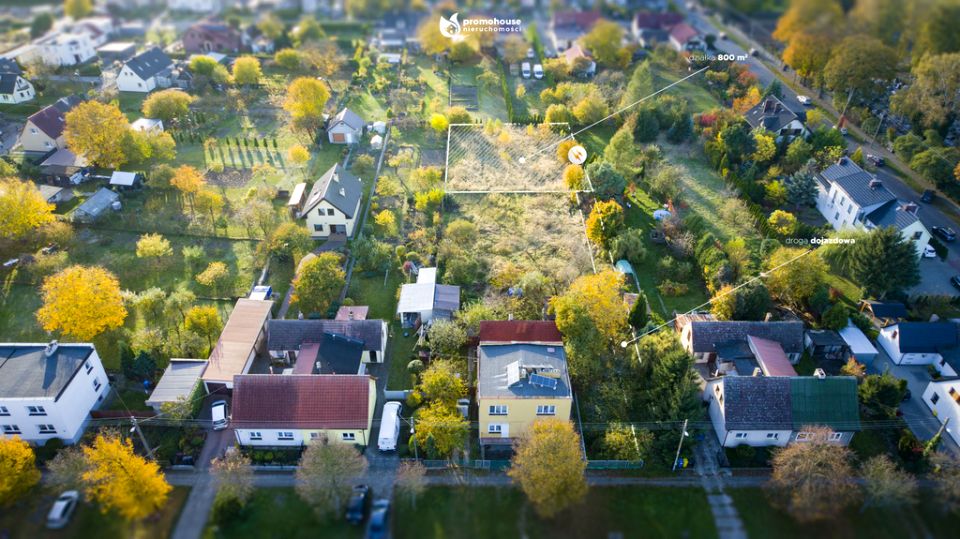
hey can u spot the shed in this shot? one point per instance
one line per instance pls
(126, 180)
(860, 345)
(179, 380)
(295, 204)
(376, 142)
(148, 125)
(93, 207)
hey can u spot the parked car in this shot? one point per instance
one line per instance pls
(218, 415)
(379, 520)
(531, 53)
(907, 395)
(723, 35)
(357, 506)
(944, 232)
(62, 510)
(955, 281)
(525, 70)
(876, 160)
(754, 52)
(929, 252)
(537, 71)
(928, 196)
(805, 100)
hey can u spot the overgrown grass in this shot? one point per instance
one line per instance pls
(279, 512)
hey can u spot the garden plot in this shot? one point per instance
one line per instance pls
(464, 96)
(526, 232)
(487, 159)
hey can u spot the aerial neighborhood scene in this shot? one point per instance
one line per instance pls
(479, 269)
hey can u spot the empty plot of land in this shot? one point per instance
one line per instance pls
(527, 232)
(464, 96)
(487, 159)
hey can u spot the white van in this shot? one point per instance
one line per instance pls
(389, 427)
(218, 415)
(525, 70)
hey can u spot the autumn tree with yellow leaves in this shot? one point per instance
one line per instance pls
(22, 208)
(188, 181)
(122, 481)
(81, 302)
(98, 132)
(549, 466)
(18, 469)
(305, 101)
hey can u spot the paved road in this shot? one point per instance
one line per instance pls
(193, 517)
(725, 515)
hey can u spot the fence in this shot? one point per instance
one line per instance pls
(500, 465)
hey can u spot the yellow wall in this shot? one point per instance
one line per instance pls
(520, 413)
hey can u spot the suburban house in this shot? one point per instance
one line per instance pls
(98, 29)
(850, 197)
(145, 71)
(773, 116)
(55, 194)
(721, 341)
(775, 410)
(574, 53)
(942, 396)
(180, 381)
(207, 36)
(521, 377)
(125, 181)
(333, 205)
(118, 51)
(884, 313)
(345, 128)
(60, 49)
(425, 300)
(827, 347)
(94, 207)
(360, 341)
(242, 339)
(48, 390)
(684, 37)
(566, 27)
(15, 89)
(920, 343)
(650, 28)
(64, 166)
(43, 130)
(10, 65)
(288, 411)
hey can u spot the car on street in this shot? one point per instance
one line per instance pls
(357, 506)
(754, 52)
(525, 70)
(723, 35)
(62, 510)
(955, 281)
(218, 415)
(929, 252)
(928, 196)
(944, 232)
(537, 71)
(530, 53)
(876, 160)
(379, 519)
(805, 100)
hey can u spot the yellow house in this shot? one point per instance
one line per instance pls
(277, 410)
(522, 377)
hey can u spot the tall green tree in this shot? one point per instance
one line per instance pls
(318, 283)
(884, 262)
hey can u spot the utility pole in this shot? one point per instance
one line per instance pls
(683, 434)
(882, 118)
(843, 115)
(143, 439)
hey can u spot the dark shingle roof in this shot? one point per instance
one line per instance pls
(757, 403)
(707, 335)
(825, 337)
(147, 64)
(290, 334)
(887, 309)
(770, 114)
(338, 187)
(492, 378)
(9, 65)
(26, 371)
(892, 214)
(926, 337)
(8, 83)
(300, 401)
(830, 401)
(657, 19)
(856, 183)
(52, 118)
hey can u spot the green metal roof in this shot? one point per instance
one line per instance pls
(831, 401)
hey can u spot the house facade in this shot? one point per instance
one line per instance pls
(48, 390)
(708, 339)
(145, 72)
(15, 89)
(773, 116)
(43, 130)
(285, 338)
(333, 204)
(273, 410)
(345, 128)
(62, 49)
(207, 36)
(851, 198)
(943, 398)
(920, 343)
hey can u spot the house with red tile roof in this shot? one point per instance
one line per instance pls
(274, 410)
(520, 331)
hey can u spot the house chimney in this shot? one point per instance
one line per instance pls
(820, 374)
(51, 348)
(778, 108)
(875, 183)
(842, 161)
(911, 207)
(768, 105)
(343, 192)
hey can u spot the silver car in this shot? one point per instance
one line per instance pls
(62, 510)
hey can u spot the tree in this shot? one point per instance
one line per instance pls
(168, 105)
(884, 261)
(607, 182)
(204, 320)
(290, 241)
(308, 29)
(621, 151)
(271, 26)
(364, 165)
(441, 384)
(881, 394)
(766, 147)
(549, 466)
(798, 278)
(154, 247)
(439, 123)
(318, 283)
(65, 471)
(862, 64)
(782, 222)
(809, 54)
(885, 485)
(81, 302)
(934, 95)
(446, 337)
(77, 9)
(573, 177)
(411, 480)
(640, 85)
(590, 109)
(514, 49)
(604, 222)
(603, 41)
(18, 470)
(22, 208)
(305, 101)
(289, 59)
(937, 33)
(558, 114)
(97, 132)
(946, 477)
(216, 277)
(622, 442)
(458, 115)
(801, 188)
(775, 192)
(836, 317)
(812, 481)
(246, 70)
(748, 101)
(298, 155)
(936, 164)
(209, 202)
(326, 474)
(440, 430)
(41, 24)
(234, 476)
(809, 16)
(121, 481)
(737, 142)
(188, 181)
(429, 201)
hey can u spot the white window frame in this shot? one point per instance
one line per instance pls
(88, 367)
(348, 436)
(256, 436)
(835, 436)
(11, 429)
(546, 409)
(740, 435)
(96, 384)
(773, 435)
(36, 410)
(494, 428)
(804, 436)
(499, 409)
(50, 429)
(285, 436)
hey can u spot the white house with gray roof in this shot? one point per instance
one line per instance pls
(772, 115)
(852, 198)
(48, 390)
(145, 72)
(15, 89)
(333, 205)
(345, 128)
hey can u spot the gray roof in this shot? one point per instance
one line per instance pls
(339, 188)
(708, 335)
(493, 362)
(892, 214)
(825, 337)
(770, 114)
(9, 65)
(926, 337)
(8, 82)
(148, 64)
(49, 191)
(26, 371)
(421, 297)
(290, 334)
(179, 380)
(856, 183)
(349, 118)
(887, 309)
(757, 403)
(98, 203)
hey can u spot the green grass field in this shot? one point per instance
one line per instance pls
(279, 512)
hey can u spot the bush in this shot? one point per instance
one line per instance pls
(415, 366)
(745, 453)
(670, 288)
(227, 510)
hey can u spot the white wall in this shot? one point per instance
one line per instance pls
(318, 216)
(128, 81)
(23, 92)
(945, 407)
(350, 136)
(891, 344)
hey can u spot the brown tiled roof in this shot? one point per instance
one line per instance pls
(519, 331)
(52, 118)
(301, 401)
(582, 20)
(657, 20)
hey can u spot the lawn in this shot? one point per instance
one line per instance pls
(463, 512)
(924, 520)
(279, 512)
(26, 520)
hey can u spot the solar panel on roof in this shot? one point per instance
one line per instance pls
(543, 381)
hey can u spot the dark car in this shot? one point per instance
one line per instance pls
(876, 160)
(927, 196)
(945, 233)
(955, 281)
(379, 520)
(907, 395)
(357, 506)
